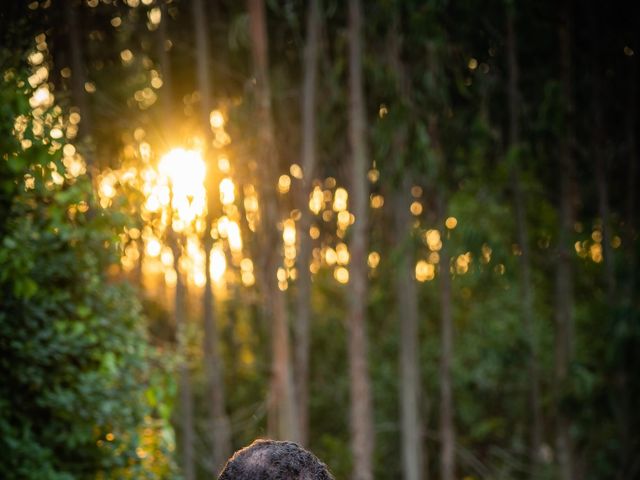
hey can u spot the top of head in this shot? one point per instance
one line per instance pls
(274, 460)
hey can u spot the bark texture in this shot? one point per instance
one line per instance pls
(184, 377)
(406, 292)
(447, 426)
(564, 276)
(283, 417)
(219, 435)
(362, 432)
(308, 155)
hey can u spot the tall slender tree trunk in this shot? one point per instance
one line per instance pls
(185, 397)
(407, 307)
(526, 284)
(447, 424)
(78, 80)
(564, 280)
(218, 425)
(406, 292)
(184, 376)
(303, 299)
(362, 432)
(283, 417)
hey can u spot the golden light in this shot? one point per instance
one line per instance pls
(155, 15)
(166, 257)
(462, 263)
(183, 168)
(281, 274)
(316, 200)
(341, 274)
(184, 171)
(42, 97)
(218, 263)
(377, 201)
(486, 253)
(107, 185)
(373, 259)
(234, 237)
(296, 171)
(425, 271)
(216, 119)
(284, 183)
(344, 219)
(126, 55)
(416, 208)
(451, 223)
(223, 164)
(432, 238)
(416, 191)
(248, 279)
(330, 256)
(227, 191)
(314, 232)
(342, 253)
(289, 232)
(340, 200)
(170, 277)
(247, 276)
(246, 265)
(36, 58)
(153, 247)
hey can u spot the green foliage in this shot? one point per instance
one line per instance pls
(76, 386)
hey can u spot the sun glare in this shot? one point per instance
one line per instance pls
(184, 172)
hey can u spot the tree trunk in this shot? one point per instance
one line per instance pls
(303, 300)
(447, 427)
(185, 405)
(283, 417)
(406, 292)
(362, 432)
(78, 80)
(219, 426)
(447, 424)
(564, 281)
(184, 382)
(526, 284)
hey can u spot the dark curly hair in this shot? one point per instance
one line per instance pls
(274, 460)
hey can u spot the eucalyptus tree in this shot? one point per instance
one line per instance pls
(362, 431)
(218, 431)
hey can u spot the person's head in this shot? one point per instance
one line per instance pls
(274, 460)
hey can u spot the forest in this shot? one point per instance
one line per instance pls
(401, 233)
